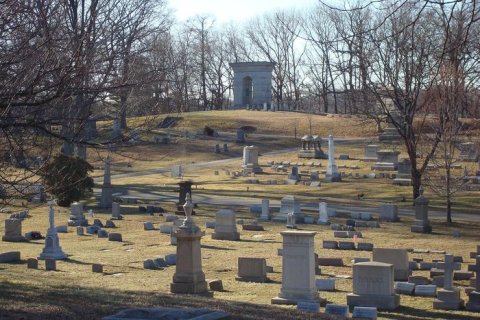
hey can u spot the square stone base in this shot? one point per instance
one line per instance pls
(231, 236)
(381, 302)
(189, 288)
(421, 229)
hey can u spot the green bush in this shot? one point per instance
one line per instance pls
(67, 179)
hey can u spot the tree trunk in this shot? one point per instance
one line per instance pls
(123, 111)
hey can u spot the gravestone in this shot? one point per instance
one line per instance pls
(176, 171)
(110, 224)
(240, 136)
(252, 269)
(371, 152)
(106, 197)
(291, 221)
(189, 277)
(404, 174)
(265, 210)
(311, 148)
(225, 227)
(364, 313)
(32, 263)
(80, 231)
(116, 211)
(397, 257)
(50, 265)
(473, 303)
(468, 151)
(225, 147)
(116, 129)
(325, 284)
(373, 286)
(323, 214)
(332, 174)
(52, 249)
(77, 218)
(308, 306)
(448, 298)
(250, 160)
(217, 148)
(294, 176)
(13, 231)
(298, 268)
(387, 160)
(336, 309)
(421, 223)
(289, 204)
(389, 212)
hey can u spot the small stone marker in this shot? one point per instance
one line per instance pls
(389, 213)
(109, 224)
(97, 268)
(148, 264)
(329, 244)
(346, 245)
(148, 225)
(404, 288)
(428, 290)
(252, 269)
(365, 246)
(167, 229)
(308, 306)
(50, 265)
(32, 263)
(334, 262)
(325, 284)
(62, 229)
(365, 313)
(98, 223)
(337, 309)
(171, 259)
(215, 285)
(115, 237)
(102, 233)
(11, 256)
(418, 280)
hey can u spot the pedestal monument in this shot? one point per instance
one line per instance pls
(52, 249)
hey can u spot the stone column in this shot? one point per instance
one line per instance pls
(332, 174)
(106, 200)
(189, 277)
(298, 268)
(52, 249)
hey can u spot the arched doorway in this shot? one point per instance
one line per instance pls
(247, 91)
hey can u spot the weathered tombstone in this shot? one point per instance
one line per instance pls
(113, 236)
(373, 286)
(116, 211)
(77, 218)
(252, 269)
(80, 231)
(13, 231)
(473, 303)
(50, 265)
(387, 160)
(97, 268)
(298, 268)
(428, 290)
(217, 148)
(325, 284)
(294, 176)
(468, 151)
(371, 152)
(52, 249)
(322, 214)
(225, 227)
(189, 277)
(148, 225)
(106, 196)
(291, 220)
(336, 309)
(240, 136)
(250, 159)
(364, 313)
(448, 298)
(225, 147)
(289, 204)
(389, 212)
(332, 174)
(265, 210)
(421, 223)
(176, 171)
(10, 256)
(404, 174)
(397, 257)
(32, 263)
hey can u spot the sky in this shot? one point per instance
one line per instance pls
(225, 11)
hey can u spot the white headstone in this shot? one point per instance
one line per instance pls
(52, 249)
(265, 210)
(322, 213)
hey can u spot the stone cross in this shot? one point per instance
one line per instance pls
(448, 272)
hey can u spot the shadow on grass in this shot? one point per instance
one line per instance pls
(408, 313)
(206, 246)
(73, 302)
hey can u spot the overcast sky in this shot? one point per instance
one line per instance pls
(233, 10)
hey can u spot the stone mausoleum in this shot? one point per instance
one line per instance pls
(252, 84)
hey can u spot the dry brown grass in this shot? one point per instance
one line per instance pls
(125, 282)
